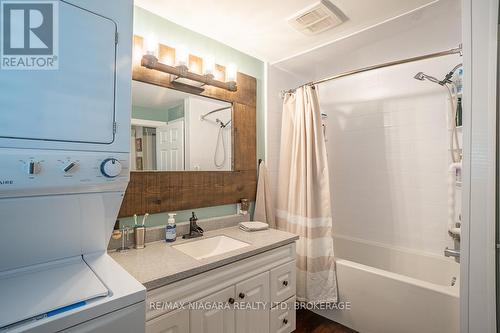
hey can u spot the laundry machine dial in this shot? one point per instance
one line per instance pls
(111, 167)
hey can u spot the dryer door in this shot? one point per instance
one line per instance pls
(74, 103)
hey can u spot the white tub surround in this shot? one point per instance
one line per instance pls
(179, 287)
(304, 196)
(394, 290)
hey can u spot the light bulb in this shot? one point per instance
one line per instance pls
(168, 60)
(208, 65)
(231, 73)
(181, 56)
(193, 67)
(151, 45)
(138, 53)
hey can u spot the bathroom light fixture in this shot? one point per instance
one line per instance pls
(137, 55)
(167, 60)
(181, 56)
(151, 45)
(183, 75)
(231, 73)
(209, 66)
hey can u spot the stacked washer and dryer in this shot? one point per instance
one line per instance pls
(64, 168)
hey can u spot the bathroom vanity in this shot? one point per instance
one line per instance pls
(193, 148)
(249, 288)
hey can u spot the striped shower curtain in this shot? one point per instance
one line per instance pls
(304, 195)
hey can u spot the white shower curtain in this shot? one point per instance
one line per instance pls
(304, 195)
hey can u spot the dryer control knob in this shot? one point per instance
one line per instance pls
(111, 167)
(33, 167)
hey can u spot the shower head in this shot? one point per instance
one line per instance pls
(422, 76)
(221, 123)
(447, 79)
(419, 76)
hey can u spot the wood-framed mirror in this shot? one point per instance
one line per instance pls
(172, 130)
(201, 180)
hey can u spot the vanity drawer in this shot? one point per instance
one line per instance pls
(283, 280)
(173, 322)
(283, 317)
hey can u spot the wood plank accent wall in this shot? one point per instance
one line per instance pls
(167, 191)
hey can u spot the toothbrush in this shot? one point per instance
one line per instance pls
(144, 219)
(135, 219)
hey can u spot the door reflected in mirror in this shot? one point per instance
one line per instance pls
(177, 131)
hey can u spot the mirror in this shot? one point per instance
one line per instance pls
(177, 131)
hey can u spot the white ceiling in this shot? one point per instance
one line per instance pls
(259, 27)
(435, 28)
(154, 97)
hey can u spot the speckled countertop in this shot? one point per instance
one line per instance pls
(159, 264)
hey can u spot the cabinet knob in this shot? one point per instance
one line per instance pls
(285, 321)
(231, 300)
(285, 283)
(241, 295)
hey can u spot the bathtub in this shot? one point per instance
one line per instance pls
(394, 290)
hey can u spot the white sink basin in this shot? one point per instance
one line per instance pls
(209, 247)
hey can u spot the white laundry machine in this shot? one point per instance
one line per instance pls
(64, 168)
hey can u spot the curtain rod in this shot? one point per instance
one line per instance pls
(457, 50)
(216, 110)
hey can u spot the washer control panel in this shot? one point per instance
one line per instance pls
(30, 172)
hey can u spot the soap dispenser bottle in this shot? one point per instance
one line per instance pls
(171, 229)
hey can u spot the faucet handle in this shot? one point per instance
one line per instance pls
(451, 252)
(125, 230)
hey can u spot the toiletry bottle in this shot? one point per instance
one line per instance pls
(171, 229)
(459, 81)
(458, 116)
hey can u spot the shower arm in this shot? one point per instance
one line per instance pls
(447, 78)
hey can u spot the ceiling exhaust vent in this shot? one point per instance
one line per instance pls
(317, 18)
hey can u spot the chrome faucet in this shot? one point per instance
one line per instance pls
(451, 253)
(194, 229)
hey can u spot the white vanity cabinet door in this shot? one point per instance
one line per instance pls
(283, 282)
(283, 317)
(220, 318)
(253, 300)
(172, 322)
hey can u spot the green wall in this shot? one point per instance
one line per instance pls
(139, 112)
(170, 114)
(176, 112)
(148, 24)
(183, 216)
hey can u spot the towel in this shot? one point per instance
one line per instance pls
(264, 207)
(253, 226)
